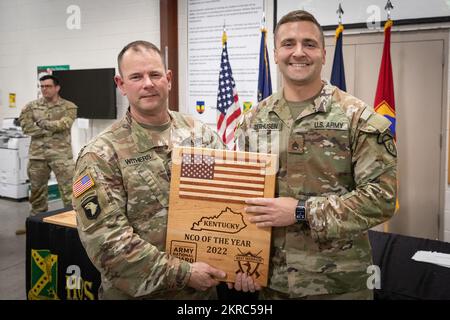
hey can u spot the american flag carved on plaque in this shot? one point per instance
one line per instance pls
(207, 221)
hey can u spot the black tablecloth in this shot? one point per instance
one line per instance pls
(404, 278)
(54, 256)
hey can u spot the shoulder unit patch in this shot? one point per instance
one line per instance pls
(82, 184)
(91, 207)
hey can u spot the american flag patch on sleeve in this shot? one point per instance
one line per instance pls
(82, 185)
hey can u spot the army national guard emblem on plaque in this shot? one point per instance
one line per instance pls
(207, 221)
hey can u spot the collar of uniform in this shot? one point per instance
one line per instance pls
(141, 138)
(173, 119)
(185, 130)
(321, 103)
(280, 108)
(44, 102)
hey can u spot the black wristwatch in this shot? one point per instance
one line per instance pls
(300, 212)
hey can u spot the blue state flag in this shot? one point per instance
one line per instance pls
(264, 81)
(338, 72)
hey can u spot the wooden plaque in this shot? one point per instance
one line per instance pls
(67, 219)
(206, 219)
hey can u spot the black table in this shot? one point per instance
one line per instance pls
(57, 266)
(56, 252)
(404, 278)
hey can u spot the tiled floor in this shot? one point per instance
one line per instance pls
(12, 247)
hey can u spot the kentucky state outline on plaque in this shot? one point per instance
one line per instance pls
(206, 219)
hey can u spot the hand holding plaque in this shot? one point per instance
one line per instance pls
(207, 221)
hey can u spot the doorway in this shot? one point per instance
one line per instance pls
(419, 63)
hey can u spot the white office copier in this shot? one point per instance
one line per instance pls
(13, 161)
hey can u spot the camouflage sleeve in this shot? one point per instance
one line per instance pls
(131, 264)
(373, 201)
(211, 138)
(28, 123)
(241, 138)
(63, 124)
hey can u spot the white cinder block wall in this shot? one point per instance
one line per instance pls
(35, 33)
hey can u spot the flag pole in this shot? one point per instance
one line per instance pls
(388, 7)
(340, 12)
(264, 82)
(224, 34)
(263, 21)
(340, 27)
(337, 77)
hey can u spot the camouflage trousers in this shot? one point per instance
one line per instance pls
(269, 294)
(39, 174)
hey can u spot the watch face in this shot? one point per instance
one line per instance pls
(300, 214)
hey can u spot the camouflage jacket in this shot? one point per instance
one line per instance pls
(52, 139)
(339, 157)
(122, 213)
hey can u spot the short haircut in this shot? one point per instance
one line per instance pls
(298, 15)
(137, 46)
(49, 76)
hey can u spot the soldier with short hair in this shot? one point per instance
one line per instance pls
(121, 188)
(48, 121)
(336, 179)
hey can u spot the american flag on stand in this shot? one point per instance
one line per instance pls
(228, 109)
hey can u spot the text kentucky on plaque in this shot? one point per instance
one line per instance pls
(207, 221)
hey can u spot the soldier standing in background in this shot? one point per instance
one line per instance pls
(336, 179)
(48, 121)
(121, 188)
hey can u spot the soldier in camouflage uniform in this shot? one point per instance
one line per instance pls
(336, 179)
(48, 121)
(121, 189)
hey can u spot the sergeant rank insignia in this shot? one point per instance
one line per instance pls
(296, 144)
